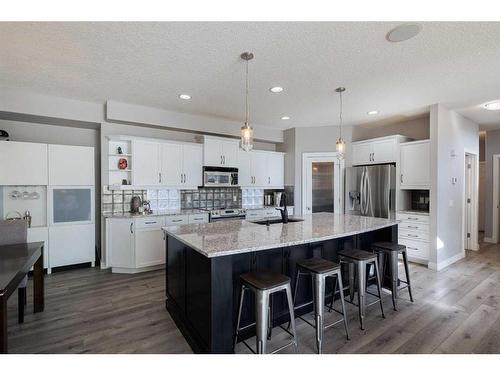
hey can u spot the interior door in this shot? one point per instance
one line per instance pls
(322, 185)
(171, 164)
(468, 203)
(193, 165)
(145, 163)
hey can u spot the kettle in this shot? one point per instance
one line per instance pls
(135, 205)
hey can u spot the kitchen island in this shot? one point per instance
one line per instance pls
(204, 262)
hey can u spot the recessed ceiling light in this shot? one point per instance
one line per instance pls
(371, 113)
(276, 89)
(492, 106)
(185, 96)
(285, 118)
(403, 32)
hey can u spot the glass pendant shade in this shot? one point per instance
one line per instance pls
(340, 146)
(246, 137)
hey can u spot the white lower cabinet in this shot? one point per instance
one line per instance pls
(71, 244)
(413, 232)
(138, 244)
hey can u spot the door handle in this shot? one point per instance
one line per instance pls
(132, 228)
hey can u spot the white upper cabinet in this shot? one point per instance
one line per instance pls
(146, 160)
(24, 163)
(261, 169)
(376, 151)
(218, 152)
(171, 164)
(71, 165)
(192, 165)
(415, 165)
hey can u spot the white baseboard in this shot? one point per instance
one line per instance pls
(488, 239)
(445, 263)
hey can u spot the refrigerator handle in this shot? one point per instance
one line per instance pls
(362, 195)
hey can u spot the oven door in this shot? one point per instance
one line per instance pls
(212, 178)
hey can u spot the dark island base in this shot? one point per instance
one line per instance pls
(202, 293)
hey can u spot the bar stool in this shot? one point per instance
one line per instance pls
(359, 259)
(320, 269)
(392, 252)
(263, 284)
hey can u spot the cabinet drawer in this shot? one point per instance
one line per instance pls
(176, 220)
(414, 235)
(413, 218)
(254, 214)
(149, 222)
(416, 226)
(198, 218)
(415, 249)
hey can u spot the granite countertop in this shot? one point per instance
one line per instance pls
(414, 212)
(240, 236)
(128, 215)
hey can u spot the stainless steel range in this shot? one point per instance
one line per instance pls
(226, 214)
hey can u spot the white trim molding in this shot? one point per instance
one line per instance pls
(496, 203)
(445, 263)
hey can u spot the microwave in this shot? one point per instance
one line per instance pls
(220, 176)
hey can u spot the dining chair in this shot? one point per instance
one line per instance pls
(14, 232)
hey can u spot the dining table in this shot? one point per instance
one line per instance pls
(16, 261)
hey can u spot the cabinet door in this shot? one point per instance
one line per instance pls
(120, 243)
(212, 152)
(71, 165)
(245, 177)
(384, 151)
(71, 244)
(149, 247)
(361, 153)
(23, 163)
(415, 166)
(145, 163)
(259, 168)
(230, 153)
(275, 170)
(192, 166)
(171, 164)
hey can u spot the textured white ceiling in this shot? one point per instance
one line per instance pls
(151, 63)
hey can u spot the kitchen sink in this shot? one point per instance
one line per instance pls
(275, 221)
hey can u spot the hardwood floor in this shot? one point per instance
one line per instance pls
(456, 310)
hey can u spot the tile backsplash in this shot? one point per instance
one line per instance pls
(118, 201)
(211, 198)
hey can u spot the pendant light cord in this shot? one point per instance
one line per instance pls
(340, 114)
(246, 97)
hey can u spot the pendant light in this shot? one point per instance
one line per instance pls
(246, 130)
(340, 144)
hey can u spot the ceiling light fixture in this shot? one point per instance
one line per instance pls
(276, 89)
(403, 32)
(285, 118)
(340, 144)
(371, 113)
(246, 130)
(184, 96)
(492, 106)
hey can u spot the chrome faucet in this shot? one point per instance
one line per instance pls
(283, 210)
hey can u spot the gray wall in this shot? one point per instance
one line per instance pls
(61, 135)
(449, 132)
(417, 128)
(492, 147)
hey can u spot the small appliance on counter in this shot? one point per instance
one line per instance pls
(135, 205)
(277, 198)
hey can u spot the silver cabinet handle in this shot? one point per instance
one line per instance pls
(221, 160)
(269, 180)
(412, 226)
(401, 179)
(198, 219)
(224, 159)
(411, 248)
(132, 228)
(150, 222)
(412, 218)
(176, 221)
(159, 175)
(412, 235)
(164, 235)
(184, 178)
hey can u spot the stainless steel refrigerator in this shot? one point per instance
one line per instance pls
(371, 190)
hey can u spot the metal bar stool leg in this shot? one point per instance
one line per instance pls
(240, 307)
(379, 288)
(407, 271)
(319, 295)
(361, 293)
(351, 280)
(394, 278)
(261, 318)
(292, 315)
(341, 291)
